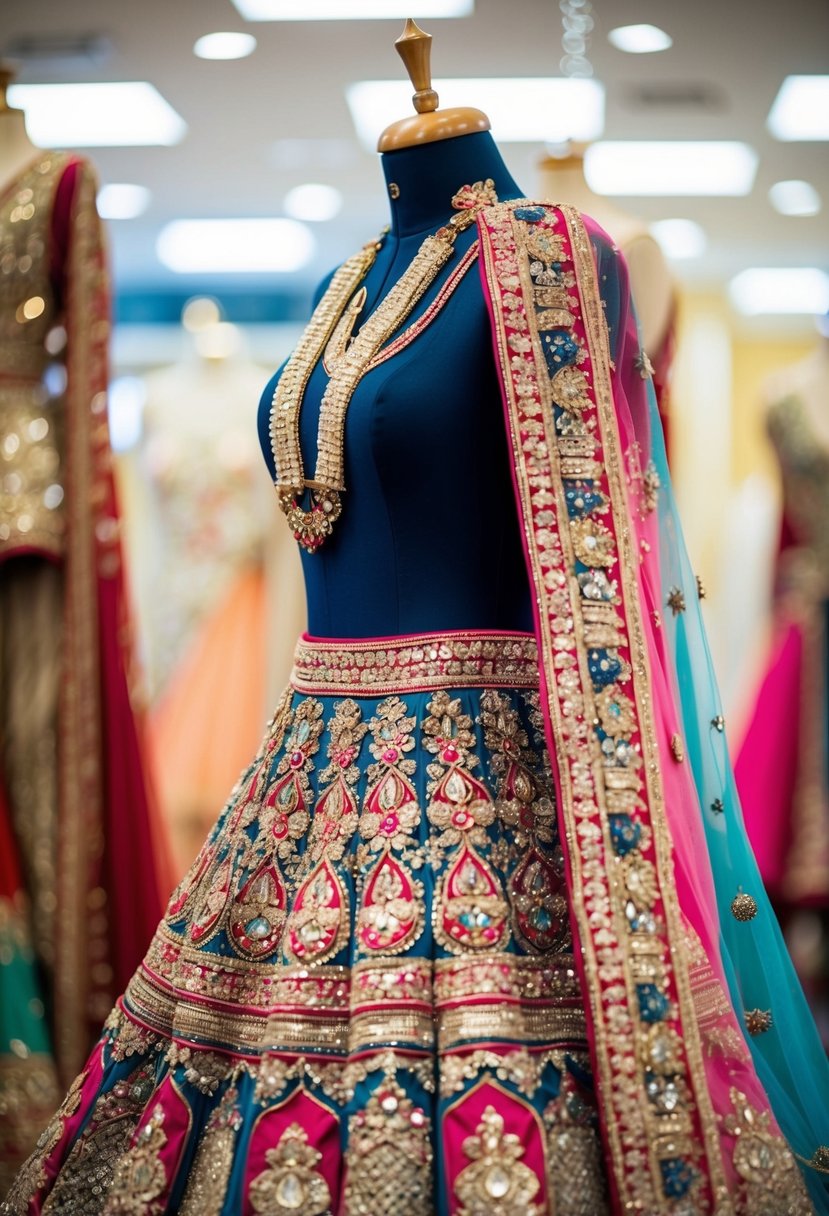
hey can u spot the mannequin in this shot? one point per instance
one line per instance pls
(562, 178)
(16, 149)
(354, 590)
(426, 953)
(781, 765)
(203, 528)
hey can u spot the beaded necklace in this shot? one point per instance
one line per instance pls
(329, 329)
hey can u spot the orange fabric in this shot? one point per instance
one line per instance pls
(209, 722)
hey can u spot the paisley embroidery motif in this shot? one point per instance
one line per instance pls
(390, 917)
(771, 1181)
(257, 914)
(319, 922)
(32, 1174)
(291, 1182)
(469, 912)
(335, 815)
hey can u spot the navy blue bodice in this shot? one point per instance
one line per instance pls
(428, 538)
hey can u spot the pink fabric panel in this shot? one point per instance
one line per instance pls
(520, 1119)
(320, 1126)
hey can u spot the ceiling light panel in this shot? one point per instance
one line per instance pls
(536, 109)
(795, 198)
(640, 39)
(122, 201)
(349, 10)
(663, 168)
(801, 109)
(224, 45)
(121, 114)
(680, 239)
(314, 202)
(776, 290)
(234, 246)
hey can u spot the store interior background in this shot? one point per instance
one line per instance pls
(197, 502)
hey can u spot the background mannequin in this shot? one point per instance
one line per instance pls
(781, 767)
(16, 149)
(200, 523)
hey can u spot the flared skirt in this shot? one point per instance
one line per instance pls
(362, 999)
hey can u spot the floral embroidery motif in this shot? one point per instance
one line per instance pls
(389, 1156)
(291, 1182)
(496, 1182)
(390, 917)
(469, 911)
(140, 1176)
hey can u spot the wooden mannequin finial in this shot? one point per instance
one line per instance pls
(414, 47)
(430, 124)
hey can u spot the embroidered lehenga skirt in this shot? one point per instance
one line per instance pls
(362, 999)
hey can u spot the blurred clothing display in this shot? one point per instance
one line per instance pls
(200, 525)
(562, 180)
(783, 763)
(81, 887)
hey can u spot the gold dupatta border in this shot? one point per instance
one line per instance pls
(623, 901)
(80, 841)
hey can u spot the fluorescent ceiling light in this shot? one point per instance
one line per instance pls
(795, 198)
(313, 202)
(255, 246)
(801, 109)
(226, 45)
(658, 167)
(640, 39)
(349, 10)
(117, 115)
(680, 239)
(536, 109)
(778, 290)
(122, 201)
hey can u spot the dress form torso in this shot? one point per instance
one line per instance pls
(428, 538)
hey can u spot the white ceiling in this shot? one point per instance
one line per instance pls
(734, 54)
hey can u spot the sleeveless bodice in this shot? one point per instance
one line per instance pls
(32, 374)
(428, 538)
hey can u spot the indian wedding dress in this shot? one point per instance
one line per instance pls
(478, 930)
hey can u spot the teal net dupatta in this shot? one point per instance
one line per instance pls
(714, 1089)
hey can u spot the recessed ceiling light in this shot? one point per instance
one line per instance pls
(778, 290)
(659, 167)
(680, 239)
(122, 201)
(117, 115)
(801, 109)
(640, 39)
(795, 198)
(313, 202)
(224, 45)
(256, 246)
(349, 10)
(538, 109)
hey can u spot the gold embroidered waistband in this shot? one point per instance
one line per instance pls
(377, 666)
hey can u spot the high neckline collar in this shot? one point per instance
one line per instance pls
(422, 180)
